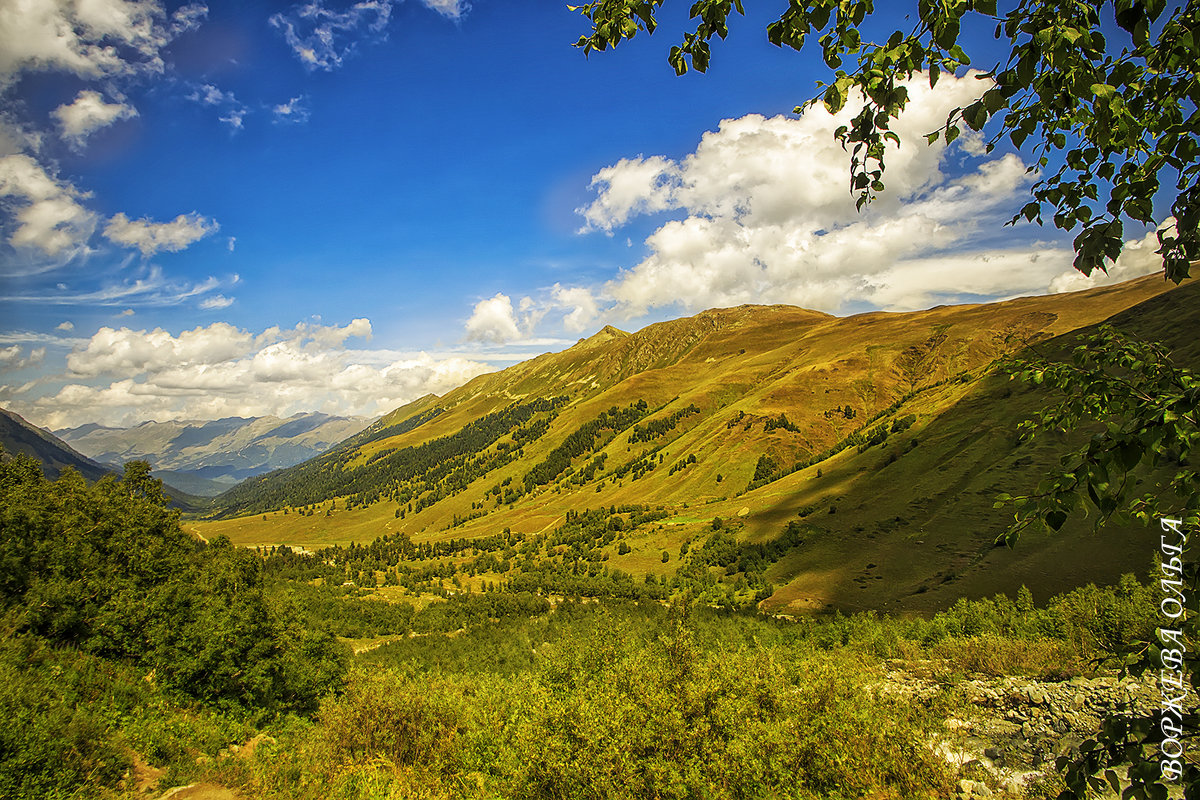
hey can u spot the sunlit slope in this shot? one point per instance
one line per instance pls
(711, 416)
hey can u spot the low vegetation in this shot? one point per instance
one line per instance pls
(129, 645)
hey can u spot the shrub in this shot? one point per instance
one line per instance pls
(384, 715)
(52, 744)
(666, 721)
(107, 569)
(995, 655)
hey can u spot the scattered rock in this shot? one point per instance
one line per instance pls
(971, 789)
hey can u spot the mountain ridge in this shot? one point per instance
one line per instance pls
(757, 415)
(18, 435)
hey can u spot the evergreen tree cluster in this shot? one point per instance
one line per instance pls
(653, 429)
(422, 474)
(779, 423)
(584, 440)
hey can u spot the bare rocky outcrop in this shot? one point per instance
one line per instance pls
(1006, 733)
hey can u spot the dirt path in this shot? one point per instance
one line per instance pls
(200, 791)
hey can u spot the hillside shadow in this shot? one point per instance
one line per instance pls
(904, 527)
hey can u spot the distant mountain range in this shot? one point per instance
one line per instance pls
(206, 458)
(17, 435)
(886, 436)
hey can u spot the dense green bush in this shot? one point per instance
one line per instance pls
(72, 722)
(107, 569)
(667, 721)
(384, 715)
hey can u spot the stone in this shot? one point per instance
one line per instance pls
(973, 789)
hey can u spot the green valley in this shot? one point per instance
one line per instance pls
(752, 553)
(885, 438)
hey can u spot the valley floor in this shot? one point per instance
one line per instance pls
(615, 700)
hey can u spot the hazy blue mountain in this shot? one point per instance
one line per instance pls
(209, 456)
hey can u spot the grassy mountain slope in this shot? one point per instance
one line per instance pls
(729, 414)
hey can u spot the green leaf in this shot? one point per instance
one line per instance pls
(945, 35)
(1129, 454)
(975, 115)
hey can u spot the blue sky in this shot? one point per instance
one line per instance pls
(264, 208)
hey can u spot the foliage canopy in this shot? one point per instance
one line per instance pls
(1139, 462)
(106, 569)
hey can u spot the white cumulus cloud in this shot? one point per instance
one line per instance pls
(13, 358)
(48, 215)
(584, 310)
(88, 114)
(761, 213)
(1138, 257)
(152, 237)
(88, 38)
(128, 351)
(122, 376)
(631, 186)
(493, 321)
